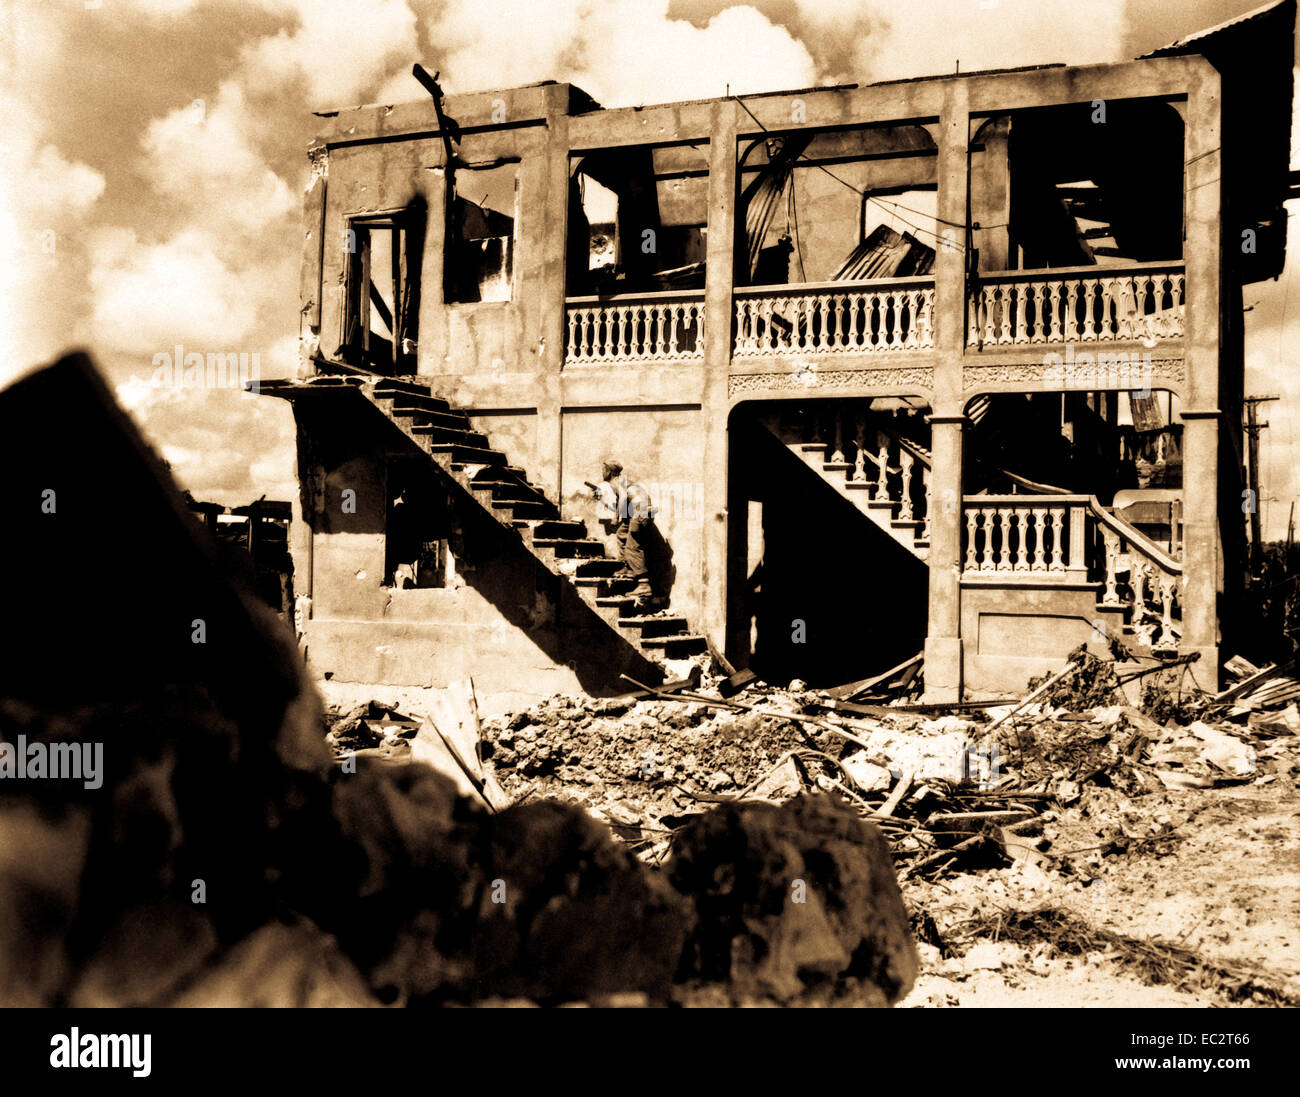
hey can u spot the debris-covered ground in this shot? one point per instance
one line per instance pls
(1067, 851)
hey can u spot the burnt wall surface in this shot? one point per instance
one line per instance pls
(500, 616)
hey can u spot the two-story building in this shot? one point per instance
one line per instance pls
(950, 365)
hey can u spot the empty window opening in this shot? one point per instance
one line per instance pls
(381, 316)
(1085, 184)
(638, 220)
(417, 529)
(851, 205)
(481, 234)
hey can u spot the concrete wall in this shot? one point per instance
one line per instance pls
(504, 362)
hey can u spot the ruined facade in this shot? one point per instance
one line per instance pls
(951, 364)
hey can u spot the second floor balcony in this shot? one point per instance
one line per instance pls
(1141, 303)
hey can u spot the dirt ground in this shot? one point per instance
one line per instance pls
(1119, 891)
(1227, 889)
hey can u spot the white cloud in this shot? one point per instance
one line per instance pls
(148, 297)
(339, 48)
(201, 155)
(622, 52)
(928, 37)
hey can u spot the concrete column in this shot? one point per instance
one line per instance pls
(550, 344)
(1202, 555)
(717, 364)
(943, 644)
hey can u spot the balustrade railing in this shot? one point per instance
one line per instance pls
(664, 326)
(835, 317)
(1141, 302)
(1021, 538)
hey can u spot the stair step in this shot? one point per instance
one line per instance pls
(909, 523)
(619, 602)
(503, 492)
(837, 466)
(466, 454)
(681, 644)
(858, 485)
(599, 569)
(560, 528)
(568, 547)
(654, 628)
(453, 420)
(524, 508)
(422, 402)
(451, 435)
(390, 385)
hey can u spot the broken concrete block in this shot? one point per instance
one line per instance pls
(793, 899)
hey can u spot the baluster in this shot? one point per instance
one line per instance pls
(1020, 524)
(1004, 537)
(882, 478)
(1039, 559)
(584, 342)
(859, 470)
(676, 313)
(840, 342)
(1071, 311)
(1054, 289)
(927, 318)
(990, 314)
(1008, 299)
(660, 314)
(1038, 333)
(987, 559)
(821, 304)
(1178, 282)
(621, 313)
(1110, 596)
(837, 454)
(972, 514)
(1167, 587)
(973, 320)
(1089, 312)
(905, 500)
(925, 502)
(605, 329)
(859, 335)
(1058, 542)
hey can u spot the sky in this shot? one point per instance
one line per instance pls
(153, 159)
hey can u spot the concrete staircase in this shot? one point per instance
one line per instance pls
(503, 490)
(859, 484)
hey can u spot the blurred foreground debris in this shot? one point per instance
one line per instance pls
(226, 856)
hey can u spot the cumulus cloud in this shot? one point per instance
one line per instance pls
(337, 48)
(201, 155)
(622, 52)
(148, 297)
(928, 37)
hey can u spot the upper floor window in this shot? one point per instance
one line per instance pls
(638, 220)
(480, 252)
(382, 290)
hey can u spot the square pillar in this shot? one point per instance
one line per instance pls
(943, 646)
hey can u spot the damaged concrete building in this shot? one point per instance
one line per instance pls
(951, 365)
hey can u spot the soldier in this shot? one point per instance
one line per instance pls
(631, 510)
